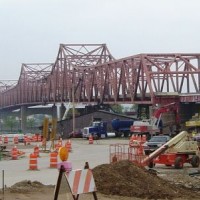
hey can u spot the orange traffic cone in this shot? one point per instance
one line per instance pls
(91, 139)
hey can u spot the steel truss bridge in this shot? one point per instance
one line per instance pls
(89, 73)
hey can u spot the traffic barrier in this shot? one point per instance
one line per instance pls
(33, 162)
(91, 141)
(36, 151)
(53, 159)
(14, 153)
(68, 145)
(81, 181)
(5, 140)
(15, 140)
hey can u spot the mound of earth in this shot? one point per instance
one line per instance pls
(126, 179)
(27, 186)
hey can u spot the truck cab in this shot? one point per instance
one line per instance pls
(97, 130)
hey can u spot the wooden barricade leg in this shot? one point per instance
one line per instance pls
(62, 170)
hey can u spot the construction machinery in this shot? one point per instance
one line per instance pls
(177, 151)
(154, 125)
(49, 131)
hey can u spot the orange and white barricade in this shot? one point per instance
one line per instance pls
(33, 162)
(5, 140)
(81, 181)
(15, 140)
(53, 159)
(14, 153)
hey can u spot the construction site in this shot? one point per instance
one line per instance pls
(39, 168)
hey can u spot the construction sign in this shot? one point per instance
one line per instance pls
(81, 181)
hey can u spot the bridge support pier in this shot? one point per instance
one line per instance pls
(62, 111)
(54, 111)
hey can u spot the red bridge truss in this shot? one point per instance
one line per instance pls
(89, 73)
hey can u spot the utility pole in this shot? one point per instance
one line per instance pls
(73, 103)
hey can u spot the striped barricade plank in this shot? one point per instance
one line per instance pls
(81, 181)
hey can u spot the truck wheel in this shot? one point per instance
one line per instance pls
(178, 164)
(195, 161)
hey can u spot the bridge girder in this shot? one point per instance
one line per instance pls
(92, 74)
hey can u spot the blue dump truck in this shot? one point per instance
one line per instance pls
(122, 127)
(97, 130)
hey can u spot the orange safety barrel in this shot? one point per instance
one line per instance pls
(34, 138)
(68, 145)
(33, 162)
(36, 151)
(15, 140)
(5, 140)
(53, 159)
(14, 153)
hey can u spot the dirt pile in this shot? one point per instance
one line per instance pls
(126, 179)
(28, 186)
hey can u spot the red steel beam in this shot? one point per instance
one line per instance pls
(94, 75)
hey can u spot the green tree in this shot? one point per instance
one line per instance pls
(30, 122)
(118, 108)
(10, 122)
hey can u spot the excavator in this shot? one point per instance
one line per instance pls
(153, 126)
(177, 151)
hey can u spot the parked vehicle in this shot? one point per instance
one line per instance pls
(76, 134)
(97, 130)
(177, 151)
(122, 127)
(154, 143)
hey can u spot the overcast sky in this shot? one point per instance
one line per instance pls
(31, 30)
